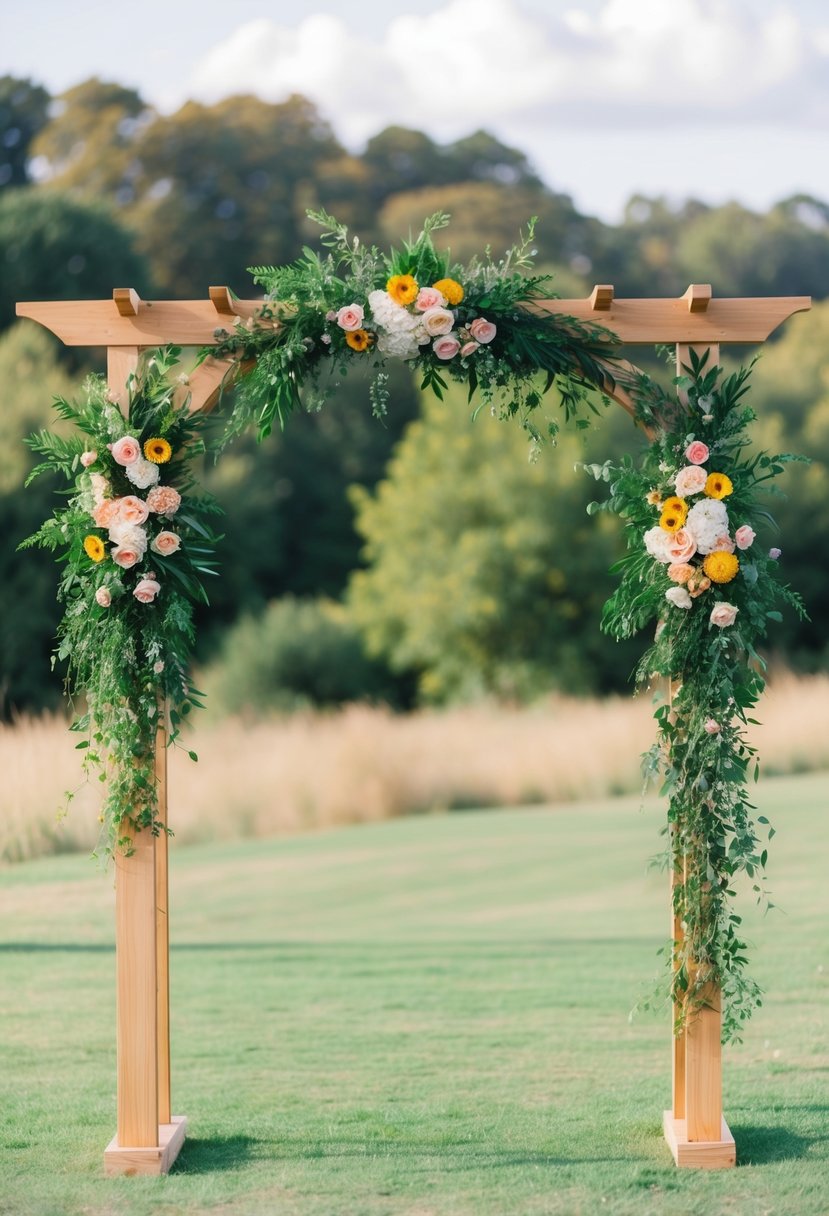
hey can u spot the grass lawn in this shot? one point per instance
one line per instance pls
(424, 1017)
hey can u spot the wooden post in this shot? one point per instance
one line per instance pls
(696, 1132)
(162, 927)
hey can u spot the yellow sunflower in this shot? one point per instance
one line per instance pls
(451, 289)
(718, 485)
(359, 339)
(94, 547)
(721, 567)
(158, 451)
(403, 289)
(674, 514)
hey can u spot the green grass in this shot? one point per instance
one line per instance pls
(426, 1017)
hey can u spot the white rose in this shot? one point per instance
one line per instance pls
(142, 473)
(678, 596)
(657, 542)
(129, 536)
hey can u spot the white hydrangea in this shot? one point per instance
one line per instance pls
(142, 473)
(389, 315)
(707, 521)
(398, 345)
(657, 541)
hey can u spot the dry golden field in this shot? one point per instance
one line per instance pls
(312, 770)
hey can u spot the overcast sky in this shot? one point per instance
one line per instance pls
(718, 99)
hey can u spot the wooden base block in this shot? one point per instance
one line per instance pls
(700, 1154)
(156, 1160)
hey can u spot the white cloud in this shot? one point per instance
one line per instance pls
(472, 63)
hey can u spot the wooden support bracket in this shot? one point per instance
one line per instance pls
(698, 296)
(601, 297)
(127, 301)
(222, 301)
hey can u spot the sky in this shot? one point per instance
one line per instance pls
(712, 99)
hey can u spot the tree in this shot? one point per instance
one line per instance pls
(24, 110)
(57, 248)
(484, 573)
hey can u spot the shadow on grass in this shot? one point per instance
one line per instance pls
(216, 1154)
(767, 1145)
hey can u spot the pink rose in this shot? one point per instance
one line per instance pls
(88, 458)
(446, 347)
(690, 480)
(469, 348)
(107, 512)
(103, 596)
(697, 452)
(723, 615)
(711, 727)
(351, 317)
(680, 572)
(745, 536)
(146, 591)
(429, 298)
(166, 543)
(126, 450)
(126, 557)
(723, 544)
(438, 321)
(483, 331)
(775, 553)
(164, 500)
(681, 546)
(132, 510)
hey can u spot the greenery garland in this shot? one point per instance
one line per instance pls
(135, 549)
(696, 569)
(135, 541)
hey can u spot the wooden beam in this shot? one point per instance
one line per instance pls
(640, 322)
(222, 301)
(601, 297)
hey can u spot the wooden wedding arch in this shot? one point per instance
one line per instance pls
(148, 1136)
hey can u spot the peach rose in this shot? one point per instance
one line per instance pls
(723, 615)
(126, 450)
(103, 596)
(163, 500)
(690, 480)
(681, 546)
(697, 452)
(88, 458)
(146, 591)
(469, 348)
(166, 543)
(446, 347)
(107, 512)
(351, 317)
(128, 536)
(438, 321)
(483, 331)
(723, 544)
(125, 557)
(680, 572)
(133, 510)
(429, 298)
(745, 536)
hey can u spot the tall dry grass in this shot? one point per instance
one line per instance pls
(313, 770)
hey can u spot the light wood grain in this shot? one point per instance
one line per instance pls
(162, 927)
(132, 1161)
(717, 1154)
(136, 978)
(127, 301)
(122, 362)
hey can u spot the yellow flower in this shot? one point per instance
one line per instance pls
(653, 498)
(718, 485)
(94, 547)
(403, 289)
(451, 289)
(674, 514)
(158, 451)
(721, 567)
(359, 339)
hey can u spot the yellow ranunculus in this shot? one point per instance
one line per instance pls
(721, 567)
(402, 288)
(718, 485)
(451, 289)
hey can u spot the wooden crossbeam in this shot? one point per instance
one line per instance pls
(695, 317)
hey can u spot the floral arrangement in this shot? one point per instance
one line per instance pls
(695, 567)
(135, 541)
(479, 325)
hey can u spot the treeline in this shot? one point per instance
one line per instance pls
(97, 190)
